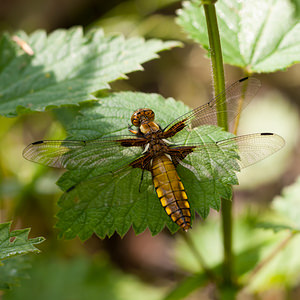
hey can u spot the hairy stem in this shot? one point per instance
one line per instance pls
(219, 86)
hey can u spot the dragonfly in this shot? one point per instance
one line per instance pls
(158, 154)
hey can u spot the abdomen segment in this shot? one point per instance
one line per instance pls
(170, 191)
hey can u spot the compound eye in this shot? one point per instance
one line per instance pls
(149, 113)
(135, 122)
(135, 119)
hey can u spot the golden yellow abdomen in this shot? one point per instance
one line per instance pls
(170, 191)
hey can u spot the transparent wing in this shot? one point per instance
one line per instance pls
(85, 154)
(220, 159)
(234, 98)
(252, 148)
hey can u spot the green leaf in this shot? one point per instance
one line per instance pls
(287, 210)
(105, 202)
(67, 66)
(16, 242)
(274, 226)
(12, 271)
(256, 42)
(288, 207)
(289, 203)
(12, 245)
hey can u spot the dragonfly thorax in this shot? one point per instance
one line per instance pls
(149, 128)
(157, 146)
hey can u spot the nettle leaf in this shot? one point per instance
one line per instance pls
(258, 36)
(104, 202)
(288, 206)
(287, 210)
(67, 66)
(13, 244)
(16, 242)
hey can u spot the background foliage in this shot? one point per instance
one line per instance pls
(28, 193)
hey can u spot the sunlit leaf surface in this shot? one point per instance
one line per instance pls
(16, 242)
(13, 244)
(259, 36)
(67, 66)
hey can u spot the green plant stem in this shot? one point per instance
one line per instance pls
(219, 86)
(216, 60)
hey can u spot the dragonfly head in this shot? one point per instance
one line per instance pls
(142, 115)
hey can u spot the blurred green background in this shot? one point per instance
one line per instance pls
(139, 267)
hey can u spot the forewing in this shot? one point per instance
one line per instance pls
(222, 158)
(70, 154)
(232, 101)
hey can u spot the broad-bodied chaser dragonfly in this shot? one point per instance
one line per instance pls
(159, 155)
